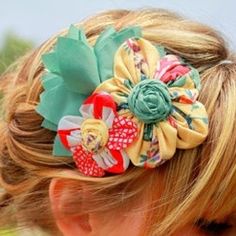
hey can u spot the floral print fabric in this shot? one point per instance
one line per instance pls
(158, 92)
(98, 138)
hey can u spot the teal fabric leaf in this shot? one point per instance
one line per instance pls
(58, 102)
(49, 125)
(76, 34)
(78, 65)
(50, 61)
(103, 36)
(196, 78)
(161, 50)
(59, 149)
(50, 80)
(107, 45)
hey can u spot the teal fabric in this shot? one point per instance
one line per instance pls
(78, 66)
(49, 125)
(61, 101)
(107, 45)
(73, 71)
(50, 62)
(161, 50)
(59, 149)
(76, 34)
(150, 101)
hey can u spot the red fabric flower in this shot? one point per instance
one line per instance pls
(98, 138)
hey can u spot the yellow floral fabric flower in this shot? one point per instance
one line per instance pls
(158, 91)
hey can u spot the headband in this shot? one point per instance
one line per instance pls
(121, 100)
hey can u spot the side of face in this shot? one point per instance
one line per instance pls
(119, 223)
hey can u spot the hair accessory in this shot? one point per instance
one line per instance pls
(98, 138)
(122, 99)
(73, 71)
(158, 91)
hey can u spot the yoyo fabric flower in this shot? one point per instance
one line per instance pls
(97, 138)
(159, 92)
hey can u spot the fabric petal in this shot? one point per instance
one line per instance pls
(192, 124)
(79, 75)
(167, 138)
(104, 159)
(182, 95)
(108, 116)
(190, 80)
(99, 101)
(135, 57)
(144, 152)
(69, 131)
(86, 110)
(165, 65)
(86, 164)
(116, 88)
(122, 161)
(58, 102)
(122, 133)
(50, 61)
(76, 34)
(136, 149)
(173, 71)
(70, 122)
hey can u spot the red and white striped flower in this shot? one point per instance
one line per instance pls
(98, 138)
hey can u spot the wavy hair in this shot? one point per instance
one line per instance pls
(196, 183)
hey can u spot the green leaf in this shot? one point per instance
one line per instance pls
(50, 61)
(58, 102)
(78, 66)
(107, 45)
(59, 149)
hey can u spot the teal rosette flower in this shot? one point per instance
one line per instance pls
(150, 101)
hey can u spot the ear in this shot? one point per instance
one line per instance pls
(59, 193)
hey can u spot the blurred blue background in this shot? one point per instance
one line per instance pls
(25, 24)
(38, 20)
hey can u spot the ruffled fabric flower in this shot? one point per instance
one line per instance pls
(159, 92)
(98, 138)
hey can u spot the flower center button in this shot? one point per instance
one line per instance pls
(150, 101)
(94, 135)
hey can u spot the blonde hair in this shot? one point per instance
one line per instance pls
(196, 183)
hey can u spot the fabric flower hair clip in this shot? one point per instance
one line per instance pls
(121, 100)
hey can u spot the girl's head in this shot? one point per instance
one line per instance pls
(191, 194)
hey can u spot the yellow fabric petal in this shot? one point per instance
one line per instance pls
(115, 87)
(134, 56)
(192, 129)
(183, 95)
(167, 136)
(134, 149)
